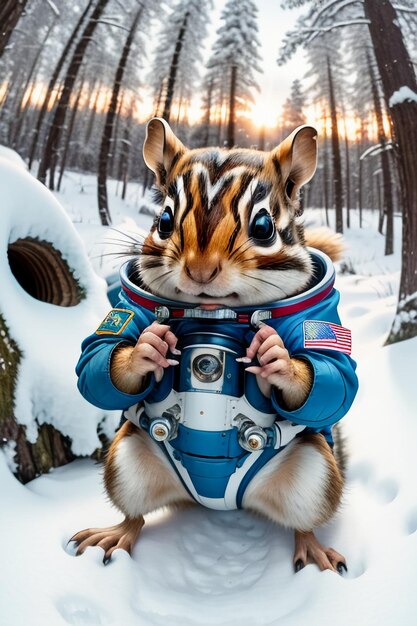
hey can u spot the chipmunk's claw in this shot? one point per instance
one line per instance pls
(121, 536)
(309, 550)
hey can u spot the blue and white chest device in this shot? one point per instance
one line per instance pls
(209, 421)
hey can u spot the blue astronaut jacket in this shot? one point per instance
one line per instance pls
(308, 323)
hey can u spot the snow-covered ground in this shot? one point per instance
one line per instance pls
(202, 567)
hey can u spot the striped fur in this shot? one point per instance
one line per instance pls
(213, 195)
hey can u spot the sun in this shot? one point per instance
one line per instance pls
(264, 114)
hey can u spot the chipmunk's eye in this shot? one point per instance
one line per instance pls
(166, 223)
(262, 227)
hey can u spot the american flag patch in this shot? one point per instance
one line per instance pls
(327, 336)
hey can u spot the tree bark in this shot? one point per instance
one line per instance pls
(232, 108)
(337, 165)
(50, 154)
(396, 71)
(174, 68)
(105, 147)
(10, 12)
(51, 449)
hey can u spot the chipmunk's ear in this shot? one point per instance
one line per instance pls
(161, 148)
(297, 156)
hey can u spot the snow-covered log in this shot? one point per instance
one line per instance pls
(50, 299)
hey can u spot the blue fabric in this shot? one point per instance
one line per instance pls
(334, 386)
(208, 443)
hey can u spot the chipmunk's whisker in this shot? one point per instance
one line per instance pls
(127, 235)
(267, 282)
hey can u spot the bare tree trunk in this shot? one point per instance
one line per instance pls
(50, 153)
(232, 108)
(103, 207)
(347, 168)
(92, 115)
(337, 165)
(387, 208)
(115, 138)
(397, 72)
(326, 173)
(360, 192)
(207, 116)
(125, 154)
(10, 12)
(19, 109)
(52, 83)
(174, 68)
(17, 82)
(74, 111)
(219, 128)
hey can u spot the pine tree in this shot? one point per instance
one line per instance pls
(385, 22)
(292, 111)
(175, 66)
(110, 121)
(52, 83)
(235, 58)
(50, 154)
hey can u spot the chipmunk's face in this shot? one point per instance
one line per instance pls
(227, 232)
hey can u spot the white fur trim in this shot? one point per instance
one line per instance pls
(298, 501)
(145, 480)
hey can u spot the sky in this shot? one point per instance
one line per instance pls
(275, 82)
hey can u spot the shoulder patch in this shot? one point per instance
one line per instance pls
(115, 322)
(320, 335)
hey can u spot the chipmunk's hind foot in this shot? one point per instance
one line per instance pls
(123, 535)
(309, 550)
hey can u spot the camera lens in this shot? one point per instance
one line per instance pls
(207, 368)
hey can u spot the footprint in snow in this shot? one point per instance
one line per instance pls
(79, 611)
(228, 551)
(385, 490)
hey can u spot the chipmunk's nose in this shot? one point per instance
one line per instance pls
(200, 271)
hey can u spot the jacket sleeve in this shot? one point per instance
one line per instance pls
(334, 379)
(93, 367)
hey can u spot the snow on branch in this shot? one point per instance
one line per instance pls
(377, 149)
(404, 94)
(53, 7)
(403, 9)
(318, 30)
(338, 6)
(113, 24)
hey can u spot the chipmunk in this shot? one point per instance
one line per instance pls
(226, 351)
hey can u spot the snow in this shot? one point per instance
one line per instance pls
(49, 336)
(11, 155)
(403, 94)
(199, 567)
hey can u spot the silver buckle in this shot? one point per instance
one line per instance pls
(162, 313)
(258, 317)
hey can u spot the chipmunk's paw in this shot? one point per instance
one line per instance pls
(122, 536)
(309, 550)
